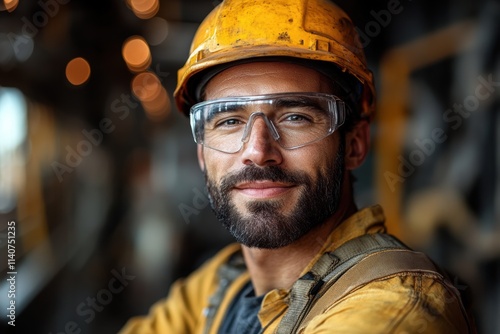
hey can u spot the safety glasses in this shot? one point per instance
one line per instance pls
(293, 119)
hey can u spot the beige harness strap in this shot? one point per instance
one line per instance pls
(375, 266)
(308, 289)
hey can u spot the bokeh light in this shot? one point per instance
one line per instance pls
(10, 5)
(136, 54)
(144, 9)
(78, 71)
(146, 86)
(159, 108)
(154, 98)
(13, 134)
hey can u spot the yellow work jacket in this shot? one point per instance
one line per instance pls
(402, 303)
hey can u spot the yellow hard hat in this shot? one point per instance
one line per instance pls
(313, 31)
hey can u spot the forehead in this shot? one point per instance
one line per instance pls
(261, 78)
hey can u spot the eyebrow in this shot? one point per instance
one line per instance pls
(226, 109)
(297, 102)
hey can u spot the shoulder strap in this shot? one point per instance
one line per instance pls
(227, 273)
(372, 267)
(376, 262)
(326, 271)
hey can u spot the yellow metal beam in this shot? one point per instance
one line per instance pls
(392, 116)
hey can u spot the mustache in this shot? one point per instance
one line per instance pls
(252, 173)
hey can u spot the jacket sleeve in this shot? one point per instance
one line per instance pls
(176, 314)
(182, 310)
(399, 304)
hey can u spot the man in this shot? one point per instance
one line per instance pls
(280, 101)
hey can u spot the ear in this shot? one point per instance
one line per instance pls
(357, 145)
(201, 159)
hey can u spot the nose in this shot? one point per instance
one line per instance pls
(260, 148)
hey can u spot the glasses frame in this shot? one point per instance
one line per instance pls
(335, 105)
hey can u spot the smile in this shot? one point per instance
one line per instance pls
(263, 189)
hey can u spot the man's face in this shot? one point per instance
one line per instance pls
(265, 195)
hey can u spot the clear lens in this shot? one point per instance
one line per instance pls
(293, 119)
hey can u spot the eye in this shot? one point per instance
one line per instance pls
(296, 118)
(228, 122)
(231, 121)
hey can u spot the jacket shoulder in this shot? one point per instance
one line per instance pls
(404, 302)
(182, 310)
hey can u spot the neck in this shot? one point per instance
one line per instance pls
(279, 268)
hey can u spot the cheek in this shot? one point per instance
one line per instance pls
(317, 156)
(216, 165)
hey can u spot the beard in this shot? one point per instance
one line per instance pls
(265, 225)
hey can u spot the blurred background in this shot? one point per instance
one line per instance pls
(99, 173)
